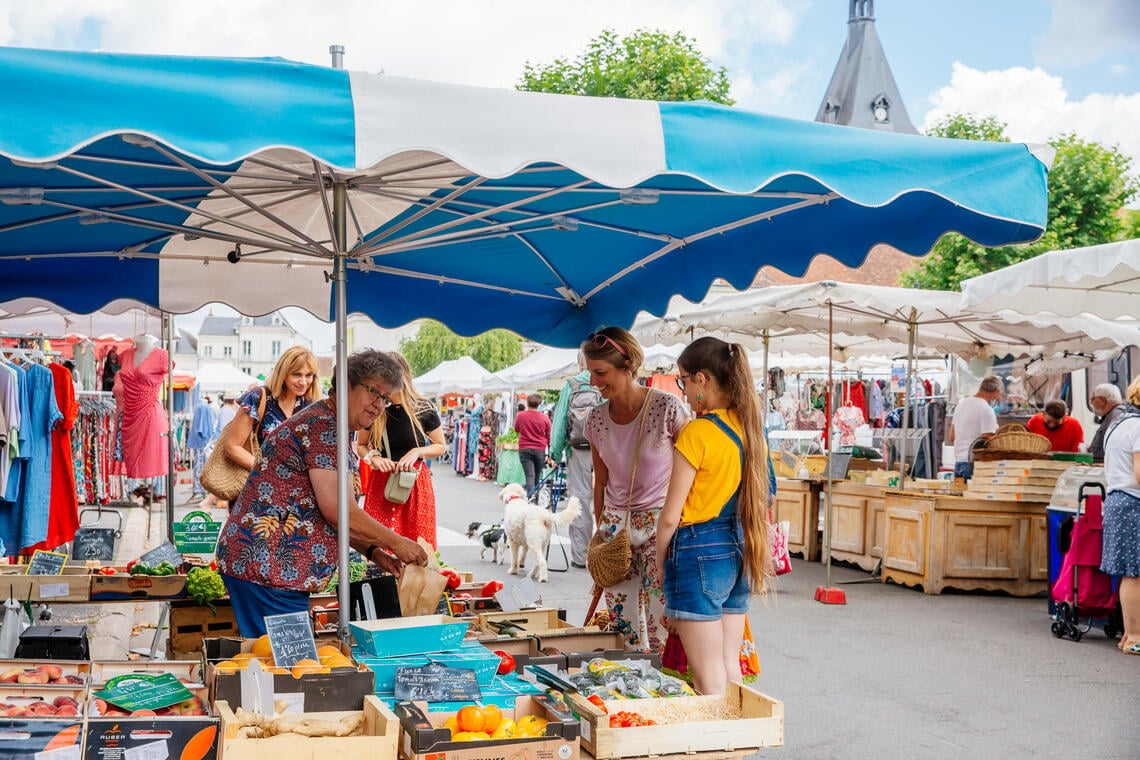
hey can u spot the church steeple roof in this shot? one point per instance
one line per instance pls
(862, 91)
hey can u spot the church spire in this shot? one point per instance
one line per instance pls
(862, 91)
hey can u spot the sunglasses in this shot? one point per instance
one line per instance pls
(376, 394)
(601, 340)
(681, 381)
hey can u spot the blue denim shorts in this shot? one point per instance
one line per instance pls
(704, 574)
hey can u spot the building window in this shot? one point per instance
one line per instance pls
(246, 348)
(228, 351)
(276, 348)
(247, 370)
(208, 351)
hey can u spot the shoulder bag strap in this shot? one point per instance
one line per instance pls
(637, 453)
(387, 446)
(261, 408)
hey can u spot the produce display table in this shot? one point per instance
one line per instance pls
(797, 502)
(858, 522)
(937, 541)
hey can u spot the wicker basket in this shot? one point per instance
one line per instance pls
(1011, 427)
(1016, 441)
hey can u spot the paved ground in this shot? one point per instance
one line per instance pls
(892, 674)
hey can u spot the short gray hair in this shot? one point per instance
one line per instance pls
(367, 364)
(990, 383)
(1108, 392)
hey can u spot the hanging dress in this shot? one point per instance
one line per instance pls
(63, 518)
(142, 420)
(35, 500)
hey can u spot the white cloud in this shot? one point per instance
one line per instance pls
(1036, 107)
(1081, 31)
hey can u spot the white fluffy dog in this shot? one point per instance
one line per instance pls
(529, 526)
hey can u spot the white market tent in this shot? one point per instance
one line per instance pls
(1100, 279)
(462, 375)
(215, 376)
(549, 367)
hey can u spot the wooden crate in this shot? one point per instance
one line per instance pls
(539, 622)
(73, 585)
(379, 741)
(761, 725)
(191, 622)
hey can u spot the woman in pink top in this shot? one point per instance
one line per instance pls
(634, 427)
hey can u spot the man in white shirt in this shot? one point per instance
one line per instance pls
(974, 418)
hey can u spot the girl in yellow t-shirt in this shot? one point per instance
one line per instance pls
(712, 536)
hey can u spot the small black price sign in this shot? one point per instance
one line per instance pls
(46, 563)
(291, 638)
(437, 683)
(94, 543)
(165, 553)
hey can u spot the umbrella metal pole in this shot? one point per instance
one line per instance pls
(340, 202)
(829, 443)
(911, 328)
(764, 383)
(168, 336)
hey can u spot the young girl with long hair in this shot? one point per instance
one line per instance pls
(712, 536)
(414, 434)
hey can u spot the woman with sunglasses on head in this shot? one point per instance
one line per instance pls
(407, 432)
(713, 532)
(631, 435)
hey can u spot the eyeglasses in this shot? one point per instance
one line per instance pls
(681, 381)
(376, 394)
(601, 340)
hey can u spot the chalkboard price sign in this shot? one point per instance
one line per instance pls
(164, 553)
(94, 543)
(46, 563)
(437, 683)
(291, 638)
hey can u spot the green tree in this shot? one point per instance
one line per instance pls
(645, 65)
(1088, 187)
(434, 343)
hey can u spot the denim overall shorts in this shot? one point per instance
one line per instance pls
(704, 572)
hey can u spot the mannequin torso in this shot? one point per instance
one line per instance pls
(144, 344)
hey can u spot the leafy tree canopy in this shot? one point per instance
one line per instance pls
(1089, 185)
(645, 65)
(434, 343)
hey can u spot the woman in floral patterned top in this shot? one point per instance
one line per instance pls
(280, 542)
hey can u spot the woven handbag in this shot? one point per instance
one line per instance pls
(609, 561)
(222, 476)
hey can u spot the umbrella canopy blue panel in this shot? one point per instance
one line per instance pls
(146, 177)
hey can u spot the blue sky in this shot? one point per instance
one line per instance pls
(1042, 66)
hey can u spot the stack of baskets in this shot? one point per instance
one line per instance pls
(1013, 441)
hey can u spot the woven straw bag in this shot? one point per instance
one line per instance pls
(1019, 441)
(222, 476)
(609, 561)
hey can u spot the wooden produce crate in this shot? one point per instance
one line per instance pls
(191, 622)
(748, 720)
(379, 741)
(538, 622)
(74, 585)
(122, 587)
(188, 672)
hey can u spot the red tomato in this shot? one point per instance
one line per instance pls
(453, 579)
(506, 662)
(491, 588)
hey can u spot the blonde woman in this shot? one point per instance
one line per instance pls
(414, 434)
(292, 385)
(712, 537)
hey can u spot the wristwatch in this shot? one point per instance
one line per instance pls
(370, 551)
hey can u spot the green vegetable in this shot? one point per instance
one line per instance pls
(141, 568)
(356, 572)
(204, 586)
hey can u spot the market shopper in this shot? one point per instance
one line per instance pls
(974, 418)
(533, 428)
(715, 518)
(1120, 543)
(292, 385)
(1108, 405)
(568, 440)
(279, 544)
(405, 434)
(1064, 432)
(631, 436)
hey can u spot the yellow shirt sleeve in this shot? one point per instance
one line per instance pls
(716, 458)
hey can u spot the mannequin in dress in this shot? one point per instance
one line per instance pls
(144, 344)
(141, 450)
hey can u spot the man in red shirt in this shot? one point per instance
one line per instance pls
(1064, 432)
(533, 428)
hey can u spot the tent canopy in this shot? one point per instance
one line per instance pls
(215, 376)
(547, 214)
(1101, 279)
(462, 375)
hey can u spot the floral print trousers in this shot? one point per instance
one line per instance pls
(637, 603)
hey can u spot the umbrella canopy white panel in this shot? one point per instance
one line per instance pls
(1101, 279)
(121, 318)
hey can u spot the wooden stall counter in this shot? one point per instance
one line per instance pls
(797, 502)
(858, 519)
(937, 541)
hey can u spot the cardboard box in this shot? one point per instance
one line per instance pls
(539, 622)
(760, 724)
(121, 587)
(422, 737)
(379, 741)
(471, 655)
(393, 637)
(76, 669)
(342, 689)
(25, 738)
(74, 585)
(191, 622)
(166, 738)
(579, 659)
(576, 641)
